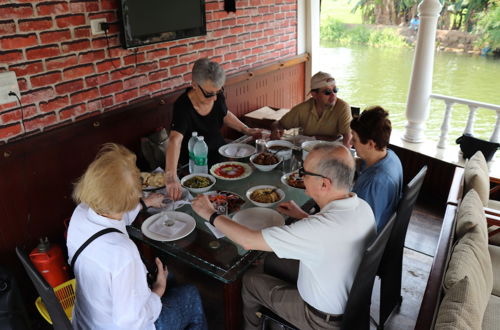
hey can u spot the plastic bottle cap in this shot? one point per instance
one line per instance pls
(194, 134)
(44, 245)
(201, 138)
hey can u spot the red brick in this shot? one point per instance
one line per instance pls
(78, 71)
(122, 72)
(112, 88)
(109, 4)
(84, 6)
(55, 36)
(84, 95)
(75, 46)
(209, 6)
(97, 80)
(98, 43)
(10, 130)
(70, 20)
(72, 111)
(37, 95)
(237, 29)
(40, 121)
(110, 15)
(16, 115)
(11, 11)
(126, 95)
(106, 65)
(61, 62)
(7, 27)
(197, 45)
(189, 58)
(42, 52)
(11, 56)
(214, 25)
(107, 102)
(221, 50)
(82, 32)
(91, 56)
(69, 86)
(158, 75)
(220, 33)
(52, 8)
(168, 62)
(46, 79)
(35, 24)
(230, 56)
(134, 58)
(157, 53)
(27, 68)
(135, 81)
(18, 41)
(23, 84)
(54, 104)
(229, 22)
(229, 40)
(179, 69)
(206, 53)
(178, 50)
(150, 88)
(146, 67)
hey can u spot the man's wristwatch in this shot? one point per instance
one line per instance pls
(212, 218)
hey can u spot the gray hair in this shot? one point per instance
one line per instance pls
(337, 168)
(205, 70)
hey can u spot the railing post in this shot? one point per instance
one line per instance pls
(445, 127)
(495, 136)
(470, 121)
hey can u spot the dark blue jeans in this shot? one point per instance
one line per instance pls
(182, 309)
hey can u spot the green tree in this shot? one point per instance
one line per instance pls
(488, 27)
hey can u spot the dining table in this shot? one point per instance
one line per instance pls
(220, 258)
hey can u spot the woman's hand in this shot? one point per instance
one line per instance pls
(202, 205)
(291, 209)
(154, 200)
(253, 132)
(160, 285)
(174, 187)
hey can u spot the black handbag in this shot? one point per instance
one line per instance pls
(470, 145)
(12, 313)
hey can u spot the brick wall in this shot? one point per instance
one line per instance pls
(65, 73)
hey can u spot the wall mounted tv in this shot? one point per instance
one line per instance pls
(151, 21)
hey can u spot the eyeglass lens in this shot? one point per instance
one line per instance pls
(209, 95)
(330, 91)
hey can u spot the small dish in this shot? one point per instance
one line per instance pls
(280, 193)
(258, 218)
(168, 226)
(198, 190)
(237, 150)
(264, 168)
(231, 170)
(284, 154)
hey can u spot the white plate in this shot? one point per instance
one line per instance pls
(280, 193)
(237, 150)
(257, 218)
(184, 222)
(284, 180)
(247, 172)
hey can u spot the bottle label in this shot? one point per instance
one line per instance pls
(200, 160)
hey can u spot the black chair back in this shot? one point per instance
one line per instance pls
(357, 311)
(59, 319)
(391, 266)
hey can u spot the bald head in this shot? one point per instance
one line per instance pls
(334, 161)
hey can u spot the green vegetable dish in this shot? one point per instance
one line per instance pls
(198, 182)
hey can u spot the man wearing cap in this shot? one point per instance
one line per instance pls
(324, 114)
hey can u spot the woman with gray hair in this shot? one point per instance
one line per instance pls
(201, 108)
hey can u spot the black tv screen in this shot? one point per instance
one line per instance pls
(151, 21)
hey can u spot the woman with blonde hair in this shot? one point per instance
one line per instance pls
(112, 290)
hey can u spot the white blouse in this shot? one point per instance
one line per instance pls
(112, 291)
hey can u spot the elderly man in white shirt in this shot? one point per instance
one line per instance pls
(112, 290)
(329, 245)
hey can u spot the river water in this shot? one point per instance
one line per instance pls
(381, 76)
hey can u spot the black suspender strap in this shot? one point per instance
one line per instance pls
(90, 240)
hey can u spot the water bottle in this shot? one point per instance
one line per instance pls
(200, 152)
(191, 143)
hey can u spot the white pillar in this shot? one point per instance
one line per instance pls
(308, 21)
(417, 105)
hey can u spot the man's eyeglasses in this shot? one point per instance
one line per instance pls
(209, 95)
(327, 92)
(303, 173)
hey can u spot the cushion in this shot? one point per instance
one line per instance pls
(493, 204)
(470, 215)
(476, 177)
(491, 318)
(495, 260)
(495, 239)
(459, 310)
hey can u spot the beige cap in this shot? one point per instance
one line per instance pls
(322, 79)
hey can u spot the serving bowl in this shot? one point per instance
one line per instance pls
(284, 154)
(198, 190)
(280, 192)
(265, 168)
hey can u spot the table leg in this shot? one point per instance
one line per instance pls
(233, 306)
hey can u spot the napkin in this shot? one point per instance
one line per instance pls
(236, 151)
(167, 203)
(160, 227)
(217, 233)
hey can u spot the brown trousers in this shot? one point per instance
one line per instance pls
(282, 298)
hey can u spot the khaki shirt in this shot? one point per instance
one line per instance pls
(334, 121)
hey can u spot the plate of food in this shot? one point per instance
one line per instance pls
(198, 182)
(234, 201)
(152, 180)
(237, 150)
(281, 148)
(265, 196)
(231, 170)
(265, 161)
(293, 180)
(168, 226)
(258, 218)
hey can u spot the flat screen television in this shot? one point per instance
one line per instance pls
(147, 22)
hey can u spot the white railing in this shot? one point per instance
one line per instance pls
(473, 106)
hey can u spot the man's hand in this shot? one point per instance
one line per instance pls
(174, 187)
(202, 205)
(160, 285)
(291, 209)
(276, 130)
(154, 200)
(256, 133)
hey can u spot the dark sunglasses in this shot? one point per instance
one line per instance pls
(209, 95)
(328, 92)
(303, 173)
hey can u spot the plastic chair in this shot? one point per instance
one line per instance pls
(53, 306)
(391, 266)
(357, 311)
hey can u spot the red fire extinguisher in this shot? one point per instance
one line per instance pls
(49, 261)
